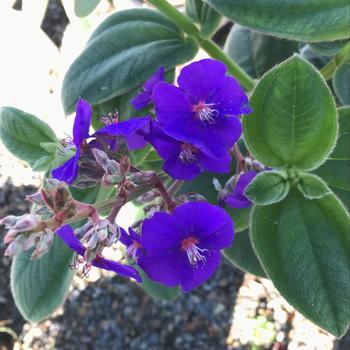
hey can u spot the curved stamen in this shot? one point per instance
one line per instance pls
(131, 251)
(187, 154)
(205, 112)
(194, 253)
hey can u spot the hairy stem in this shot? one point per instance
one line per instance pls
(343, 55)
(208, 45)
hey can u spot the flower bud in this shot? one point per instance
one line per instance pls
(36, 198)
(27, 223)
(142, 177)
(100, 156)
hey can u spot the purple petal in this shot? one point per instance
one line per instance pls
(192, 277)
(166, 146)
(171, 103)
(235, 201)
(161, 234)
(141, 100)
(68, 171)
(125, 238)
(66, 233)
(144, 98)
(134, 236)
(82, 122)
(165, 269)
(134, 130)
(156, 78)
(214, 139)
(201, 79)
(243, 182)
(181, 170)
(215, 165)
(230, 98)
(207, 222)
(123, 270)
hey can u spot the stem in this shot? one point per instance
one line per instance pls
(342, 56)
(177, 17)
(168, 200)
(175, 186)
(208, 45)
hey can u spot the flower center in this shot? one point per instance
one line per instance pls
(132, 250)
(205, 112)
(194, 253)
(188, 153)
(109, 118)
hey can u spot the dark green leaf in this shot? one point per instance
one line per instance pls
(256, 53)
(336, 170)
(312, 187)
(302, 20)
(24, 134)
(303, 246)
(122, 53)
(82, 8)
(328, 48)
(39, 287)
(268, 187)
(294, 119)
(341, 83)
(204, 15)
(242, 255)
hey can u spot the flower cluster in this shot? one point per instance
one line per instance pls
(198, 121)
(194, 128)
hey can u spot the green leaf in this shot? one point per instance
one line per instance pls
(257, 53)
(83, 8)
(294, 119)
(328, 48)
(302, 20)
(242, 255)
(312, 187)
(203, 185)
(303, 246)
(156, 290)
(122, 53)
(205, 15)
(268, 187)
(39, 287)
(24, 134)
(336, 170)
(341, 83)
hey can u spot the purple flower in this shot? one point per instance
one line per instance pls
(144, 98)
(132, 130)
(66, 233)
(237, 198)
(132, 241)
(183, 248)
(183, 160)
(68, 171)
(203, 110)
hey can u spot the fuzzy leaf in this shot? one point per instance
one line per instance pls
(294, 119)
(303, 246)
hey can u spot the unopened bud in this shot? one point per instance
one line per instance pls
(36, 198)
(257, 165)
(100, 156)
(61, 197)
(142, 177)
(81, 231)
(51, 184)
(27, 223)
(112, 168)
(124, 165)
(43, 246)
(10, 220)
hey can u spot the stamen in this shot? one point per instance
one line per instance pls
(194, 253)
(131, 251)
(110, 118)
(187, 155)
(205, 112)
